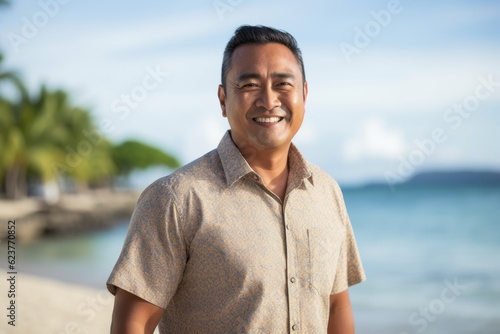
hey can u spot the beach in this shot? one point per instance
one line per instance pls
(52, 307)
(428, 252)
(72, 213)
(49, 305)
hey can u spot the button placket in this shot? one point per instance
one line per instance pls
(292, 287)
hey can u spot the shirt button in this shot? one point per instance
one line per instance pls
(295, 327)
(287, 226)
(255, 177)
(292, 279)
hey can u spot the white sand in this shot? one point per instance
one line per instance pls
(47, 306)
(51, 307)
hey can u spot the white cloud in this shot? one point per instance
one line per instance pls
(397, 81)
(119, 38)
(409, 84)
(307, 135)
(204, 136)
(374, 140)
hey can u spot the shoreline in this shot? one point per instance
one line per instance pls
(46, 305)
(73, 213)
(49, 306)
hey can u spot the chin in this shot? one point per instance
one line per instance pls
(273, 144)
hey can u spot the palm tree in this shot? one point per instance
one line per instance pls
(31, 129)
(88, 149)
(46, 137)
(13, 78)
(41, 134)
(10, 136)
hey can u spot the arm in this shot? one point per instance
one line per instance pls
(341, 320)
(133, 315)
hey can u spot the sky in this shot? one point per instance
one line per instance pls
(395, 87)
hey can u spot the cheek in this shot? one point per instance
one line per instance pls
(235, 115)
(296, 108)
(294, 99)
(239, 102)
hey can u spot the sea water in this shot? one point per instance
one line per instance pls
(431, 256)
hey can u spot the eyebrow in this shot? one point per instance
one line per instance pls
(279, 75)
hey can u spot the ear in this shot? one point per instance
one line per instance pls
(306, 91)
(222, 100)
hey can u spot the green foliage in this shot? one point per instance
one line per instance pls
(48, 137)
(132, 154)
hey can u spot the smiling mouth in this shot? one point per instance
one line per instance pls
(268, 119)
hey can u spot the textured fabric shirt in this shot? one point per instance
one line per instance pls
(223, 254)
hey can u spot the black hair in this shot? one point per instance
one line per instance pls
(259, 34)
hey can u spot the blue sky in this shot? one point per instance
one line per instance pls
(384, 76)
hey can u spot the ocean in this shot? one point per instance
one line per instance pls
(431, 255)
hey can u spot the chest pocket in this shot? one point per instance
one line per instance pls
(323, 249)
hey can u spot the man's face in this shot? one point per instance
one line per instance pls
(265, 97)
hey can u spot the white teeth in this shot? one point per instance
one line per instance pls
(267, 119)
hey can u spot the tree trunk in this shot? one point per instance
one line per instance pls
(15, 182)
(82, 187)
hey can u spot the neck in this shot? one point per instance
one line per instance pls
(272, 166)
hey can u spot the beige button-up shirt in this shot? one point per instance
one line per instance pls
(223, 255)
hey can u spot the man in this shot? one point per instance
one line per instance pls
(249, 238)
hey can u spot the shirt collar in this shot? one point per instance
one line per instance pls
(299, 169)
(235, 166)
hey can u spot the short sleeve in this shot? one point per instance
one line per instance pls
(154, 254)
(349, 268)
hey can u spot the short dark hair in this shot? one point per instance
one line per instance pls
(259, 34)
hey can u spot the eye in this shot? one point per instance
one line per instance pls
(284, 84)
(249, 85)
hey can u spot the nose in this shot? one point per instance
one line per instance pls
(268, 99)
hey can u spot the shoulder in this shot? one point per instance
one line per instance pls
(207, 168)
(322, 179)
(328, 187)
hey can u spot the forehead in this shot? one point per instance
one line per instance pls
(264, 58)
